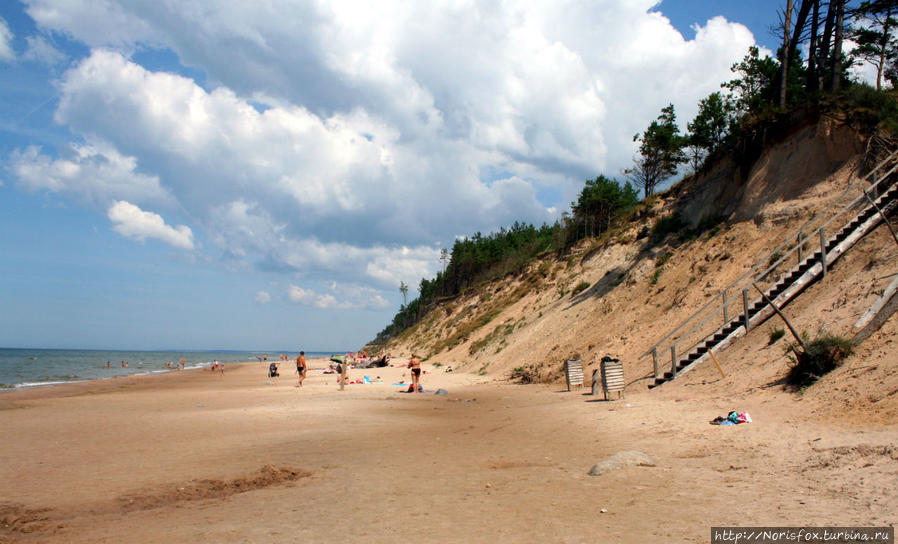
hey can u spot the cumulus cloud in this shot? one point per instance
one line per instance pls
(341, 297)
(132, 222)
(355, 149)
(6, 52)
(95, 173)
(262, 297)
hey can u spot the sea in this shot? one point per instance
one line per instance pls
(22, 368)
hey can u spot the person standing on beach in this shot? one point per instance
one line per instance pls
(415, 365)
(301, 367)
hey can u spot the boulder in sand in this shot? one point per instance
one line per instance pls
(621, 459)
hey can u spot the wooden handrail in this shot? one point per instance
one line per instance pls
(801, 238)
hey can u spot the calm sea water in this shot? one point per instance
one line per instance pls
(35, 367)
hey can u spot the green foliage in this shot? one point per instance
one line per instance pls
(871, 108)
(775, 334)
(582, 286)
(601, 201)
(822, 356)
(668, 224)
(748, 92)
(659, 266)
(660, 152)
(524, 375)
(709, 129)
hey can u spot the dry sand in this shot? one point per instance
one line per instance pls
(200, 457)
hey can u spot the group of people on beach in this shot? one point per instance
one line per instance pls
(302, 370)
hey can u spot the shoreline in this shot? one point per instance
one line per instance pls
(23, 368)
(135, 371)
(25, 386)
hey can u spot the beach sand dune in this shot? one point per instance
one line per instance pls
(200, 457)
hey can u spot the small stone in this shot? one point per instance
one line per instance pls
(489, 485)
(603, 510)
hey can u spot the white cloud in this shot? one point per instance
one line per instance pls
(96, 173)
(262, 297)
(344, 151)
(530, 80)
(311, 298)
(341, 297)
(6, 52)
(132, 222)
(40, 50)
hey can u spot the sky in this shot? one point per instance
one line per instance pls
(232, 175)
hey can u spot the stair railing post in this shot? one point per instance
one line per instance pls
(823, 251)
(673, 361)
(883, 216)
(745, 307)
(726, 312)
(655, 363)
(800, 247)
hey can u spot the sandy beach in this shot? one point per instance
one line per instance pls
(198, 456)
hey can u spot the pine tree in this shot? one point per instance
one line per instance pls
(873, 32)
(660, 152)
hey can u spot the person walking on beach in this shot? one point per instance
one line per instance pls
(301, 367)
(415, 365)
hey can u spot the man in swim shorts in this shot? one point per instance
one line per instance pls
(415, 365)
(301, 367)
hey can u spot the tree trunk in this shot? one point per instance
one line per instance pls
(837, 45)
(784, 66)
(800, 22)
(812, 83)
(883, 46)
(823, 55)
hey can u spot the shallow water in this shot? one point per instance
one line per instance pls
(36, 367)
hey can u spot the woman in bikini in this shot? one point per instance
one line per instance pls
(415, 365)
(301, 367)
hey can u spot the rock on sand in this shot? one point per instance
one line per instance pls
(621, 459)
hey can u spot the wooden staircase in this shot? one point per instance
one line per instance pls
(871, 208)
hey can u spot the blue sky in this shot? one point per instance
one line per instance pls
(206, 175)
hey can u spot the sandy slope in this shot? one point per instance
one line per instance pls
(640, 290)
(177, 458)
